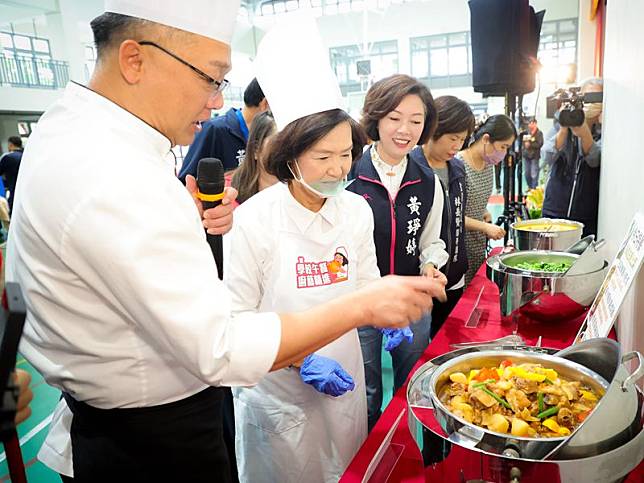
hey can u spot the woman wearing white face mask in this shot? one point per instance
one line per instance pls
(295, 244)
(490, 143)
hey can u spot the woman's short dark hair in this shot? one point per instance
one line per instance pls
(386, 94)
(246, 178)
(301, 134)
(499, 127)
(454, 116)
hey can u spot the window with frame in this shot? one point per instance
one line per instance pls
(443, 60)
(383, 57)
(320, 7)
(558, 42)
(27, 60)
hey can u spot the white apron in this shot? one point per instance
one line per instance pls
(286, 431)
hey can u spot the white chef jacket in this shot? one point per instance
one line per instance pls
(280, 260)
(125, 308)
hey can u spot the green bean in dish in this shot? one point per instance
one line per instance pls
(557, 267)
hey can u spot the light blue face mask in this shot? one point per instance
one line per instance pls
(323, 189)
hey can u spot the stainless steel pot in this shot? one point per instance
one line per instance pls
(548, 239)
(501, 443)
(606, 467)
(545, 297)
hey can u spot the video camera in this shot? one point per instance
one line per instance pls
(567, 106)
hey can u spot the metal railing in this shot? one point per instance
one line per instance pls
(33, 72)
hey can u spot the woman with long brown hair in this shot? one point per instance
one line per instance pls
(251, 176)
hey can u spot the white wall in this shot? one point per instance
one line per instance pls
(622, 171)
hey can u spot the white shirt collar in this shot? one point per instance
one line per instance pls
(80, 95)
(389, 180)
(304, 218)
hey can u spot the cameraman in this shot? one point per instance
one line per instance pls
(574, 156)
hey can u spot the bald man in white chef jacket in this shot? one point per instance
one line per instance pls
(126, 314)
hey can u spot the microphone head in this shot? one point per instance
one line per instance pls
(210, 176)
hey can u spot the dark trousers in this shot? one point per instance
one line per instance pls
(179, 441)
(228, 410)
(441, 310)
(434, 448)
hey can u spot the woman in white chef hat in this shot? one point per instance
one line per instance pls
(300, 242)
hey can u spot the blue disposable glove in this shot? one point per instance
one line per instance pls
(326, 375)
(393, 337)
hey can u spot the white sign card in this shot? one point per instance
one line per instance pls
(621, 274)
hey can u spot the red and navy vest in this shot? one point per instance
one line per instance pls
(453, 227)
(398, 222)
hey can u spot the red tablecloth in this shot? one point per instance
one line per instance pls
(410, 465)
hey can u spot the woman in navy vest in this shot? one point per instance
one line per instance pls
(407, 203)
(455, 126)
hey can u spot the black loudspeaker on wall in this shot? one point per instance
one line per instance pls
(505, 40)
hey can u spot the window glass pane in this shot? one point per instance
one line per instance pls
(567, 56)
(438, 41)
(458, 60)
(22, 42)
(456, 39)
(41, 45)
(344, 7)
(438, 62)
(548, 28)
(567, 26)
(419, 64)
(341, 73)
(418, 44)
(6, 40)
(384, 66)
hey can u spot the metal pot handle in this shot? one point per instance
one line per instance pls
(467, 436)
(637, 373)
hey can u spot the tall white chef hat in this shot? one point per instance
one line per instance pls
(211, 18)
(292, 67)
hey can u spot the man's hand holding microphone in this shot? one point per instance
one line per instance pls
(391, 302)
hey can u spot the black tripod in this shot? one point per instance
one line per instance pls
(513, 203)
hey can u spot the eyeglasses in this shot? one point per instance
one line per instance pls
(215, 85)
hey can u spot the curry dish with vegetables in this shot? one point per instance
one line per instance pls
(525, 400)
(547, 227)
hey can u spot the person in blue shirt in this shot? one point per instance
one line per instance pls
(225, 137)
(9, 166)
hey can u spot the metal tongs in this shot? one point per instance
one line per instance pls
(512, 339)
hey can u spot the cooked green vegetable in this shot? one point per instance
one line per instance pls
(500, 400)
(548, 412)
(544, 266)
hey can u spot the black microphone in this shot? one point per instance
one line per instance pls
(210, 181)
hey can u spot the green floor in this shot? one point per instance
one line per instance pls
(32, 432)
